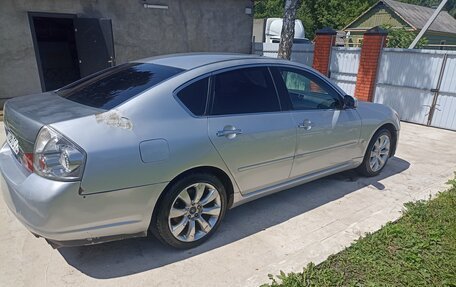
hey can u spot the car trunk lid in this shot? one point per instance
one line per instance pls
(24, 117)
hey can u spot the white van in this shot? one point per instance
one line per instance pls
(269, 30)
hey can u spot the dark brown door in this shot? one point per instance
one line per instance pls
(94, 43)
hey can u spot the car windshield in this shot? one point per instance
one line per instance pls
(111, 87)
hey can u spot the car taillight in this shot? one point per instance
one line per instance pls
(27, 161)
(56, 157)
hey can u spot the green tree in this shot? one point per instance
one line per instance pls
(269, 9)
(336, 13)
(401, 38)
(316, 14)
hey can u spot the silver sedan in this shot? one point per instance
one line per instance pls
(168, 144)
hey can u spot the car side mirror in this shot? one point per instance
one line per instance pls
(350, 102)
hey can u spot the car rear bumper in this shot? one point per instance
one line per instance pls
(58, 212)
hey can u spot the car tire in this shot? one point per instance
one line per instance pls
(190, 211)
(378, 151)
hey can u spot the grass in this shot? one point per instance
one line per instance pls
(417, 250)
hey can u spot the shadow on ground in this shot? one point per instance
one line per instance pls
(121, 258)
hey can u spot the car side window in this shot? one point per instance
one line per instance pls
(194, 96)
(307, 92)
(245, 90)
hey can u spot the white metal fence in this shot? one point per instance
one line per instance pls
(445, 113)
(344, 68)
(419, 84)
(404, 82)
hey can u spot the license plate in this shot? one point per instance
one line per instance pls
(12, 142)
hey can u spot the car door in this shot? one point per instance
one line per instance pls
(254, 137)
(327, 134)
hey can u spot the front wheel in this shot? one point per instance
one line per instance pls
(377, 154)
(190, 211)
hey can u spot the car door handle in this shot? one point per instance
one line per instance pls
(229, 132)
(306, 124)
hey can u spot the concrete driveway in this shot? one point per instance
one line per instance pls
(284, 231)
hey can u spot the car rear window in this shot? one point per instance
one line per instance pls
(111, 87)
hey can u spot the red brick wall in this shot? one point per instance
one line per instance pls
(322, 54)
(368, 66)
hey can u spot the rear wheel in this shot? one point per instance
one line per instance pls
(190, 211)
(377, 154)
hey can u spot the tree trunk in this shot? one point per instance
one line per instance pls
(287, 34)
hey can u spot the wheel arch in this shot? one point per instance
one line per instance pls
(394, 135)
(219, 173)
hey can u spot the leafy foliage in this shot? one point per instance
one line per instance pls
(316, 14)
(417, 250)
(269, 9)
(332, 13)
(401, 38)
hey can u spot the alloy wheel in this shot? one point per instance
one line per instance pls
(194, 212)
(379, 153)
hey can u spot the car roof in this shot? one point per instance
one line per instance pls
(188, 61)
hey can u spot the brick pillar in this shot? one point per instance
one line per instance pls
(374, 41)
(324, 41)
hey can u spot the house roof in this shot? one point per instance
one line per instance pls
(417, 16)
